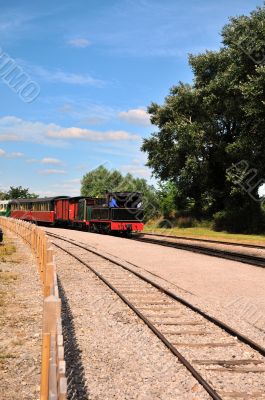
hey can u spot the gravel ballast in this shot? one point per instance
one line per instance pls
(203, 341)
(228, 290)
(121, 357)
(20, 323)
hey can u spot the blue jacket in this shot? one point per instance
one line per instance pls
(113, 203)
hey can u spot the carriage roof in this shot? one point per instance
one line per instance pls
(38, 200)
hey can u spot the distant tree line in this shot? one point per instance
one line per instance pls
(17, 193)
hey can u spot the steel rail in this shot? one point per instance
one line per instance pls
(229, 255)
(231, 331)
(195, 239)
(210, 390)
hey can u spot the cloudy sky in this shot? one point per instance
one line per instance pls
(89, 69)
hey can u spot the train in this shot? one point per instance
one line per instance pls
(4, 208)
(117, 212)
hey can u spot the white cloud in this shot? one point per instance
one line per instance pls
(48, 160)
(3, 153)
(79, 42)
(9, 138)
(52, 172)
(136, 168)
(70, 187)
(17, 129)
(136, 116)
(75, 180)
(87, 112)
(15, 154)
(32, 160)
(66, 109)
(91, 135)
(57, 192)
(59, 76)
(139, 171)
(45, 160)
(13, 21)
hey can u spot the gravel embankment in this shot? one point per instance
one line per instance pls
(228, 290)
(118, 356)
(20, 323)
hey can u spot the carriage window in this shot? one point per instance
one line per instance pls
(44, 206)
(25, 206)
(20, 206)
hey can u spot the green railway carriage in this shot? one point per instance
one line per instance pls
(4, 208)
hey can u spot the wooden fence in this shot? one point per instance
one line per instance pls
(53, 381)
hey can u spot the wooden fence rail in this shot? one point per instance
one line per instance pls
(53, 380)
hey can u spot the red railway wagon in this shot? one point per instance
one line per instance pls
(61, 210)
(39, 210)
(67, 210)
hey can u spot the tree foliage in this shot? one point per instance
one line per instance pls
(2, 195)
(95, 183)
(167, 199)
(218, 121)
(18, 193)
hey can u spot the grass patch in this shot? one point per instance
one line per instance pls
(4, 356)
(204, 231)
(7, 277)
(18, 342)
(2, 298)
(6, 250)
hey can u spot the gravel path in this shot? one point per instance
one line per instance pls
(228, 290)
(119, 357)
(20, 323)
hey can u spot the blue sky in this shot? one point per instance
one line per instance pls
(98, 65)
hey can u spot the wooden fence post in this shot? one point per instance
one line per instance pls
(44, 387)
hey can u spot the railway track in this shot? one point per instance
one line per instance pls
(174, 241)
(195, 239)
(227, 364)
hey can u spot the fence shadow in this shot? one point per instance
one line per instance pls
(75, 374)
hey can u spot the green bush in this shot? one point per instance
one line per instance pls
(166, 223)
(220, 221)
(240, 220)
(186, 222)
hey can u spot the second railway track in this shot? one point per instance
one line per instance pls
(196, 246)
(227, 364)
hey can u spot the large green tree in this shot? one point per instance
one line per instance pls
(97, 182)
(217, 122)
